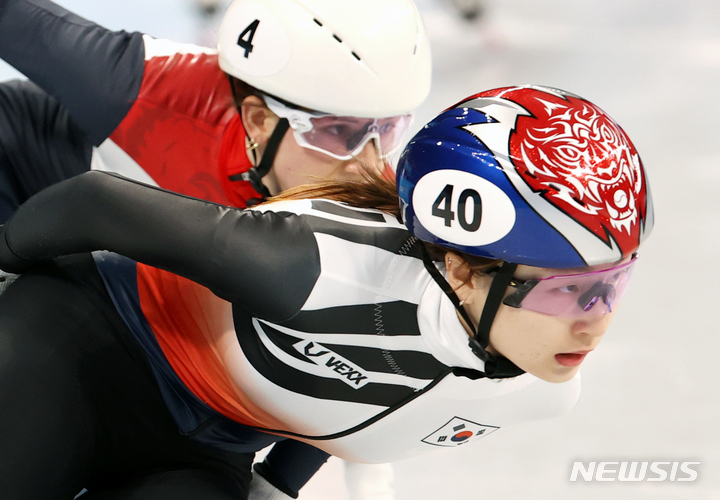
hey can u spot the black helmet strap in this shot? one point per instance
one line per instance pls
(255, 174)
(495, 366)
(495, 296)
(445, 286)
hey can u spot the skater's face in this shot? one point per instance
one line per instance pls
(295, 165)
(549, 347)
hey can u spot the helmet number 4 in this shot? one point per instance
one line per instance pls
(246, 37)
(443, 208)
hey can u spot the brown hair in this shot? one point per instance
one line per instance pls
(374, 190)
(241, 90)
(377, 191)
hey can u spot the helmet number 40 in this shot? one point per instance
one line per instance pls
(468, 210)
(246, 37)
(443, 208)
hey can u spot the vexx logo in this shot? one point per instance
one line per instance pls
(634, 471)
(333, 364)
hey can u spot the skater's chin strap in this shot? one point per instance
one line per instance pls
(499, 366)
(255, 174)
(495, 366)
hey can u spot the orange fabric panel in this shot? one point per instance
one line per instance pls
(186, 319)
(185, 132)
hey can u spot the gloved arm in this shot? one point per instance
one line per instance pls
(40, 144)
(242, 256)
(289, 465)
(95, 73)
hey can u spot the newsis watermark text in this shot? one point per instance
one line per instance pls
(634, 471)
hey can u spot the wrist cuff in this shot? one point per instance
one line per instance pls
(262, 489)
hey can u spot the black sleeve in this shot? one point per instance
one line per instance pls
(266, 263)
(40, 144)
(290, 464)
(95, 73)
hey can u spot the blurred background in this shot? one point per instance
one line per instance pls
(651, 390)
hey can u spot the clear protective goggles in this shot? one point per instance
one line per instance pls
(573, 295)
(341, 137)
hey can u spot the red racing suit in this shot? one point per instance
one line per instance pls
(153, 110)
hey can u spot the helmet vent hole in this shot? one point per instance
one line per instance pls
(317, 22)
(356, 56)
(337, 38)
(415, 50)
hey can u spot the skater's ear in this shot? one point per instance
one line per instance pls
(258, 120)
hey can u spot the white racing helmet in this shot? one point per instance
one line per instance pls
(362, 58)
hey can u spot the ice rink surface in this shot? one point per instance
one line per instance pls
(651, 389)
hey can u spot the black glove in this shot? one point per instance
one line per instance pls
(9, 262)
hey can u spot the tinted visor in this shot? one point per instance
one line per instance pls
(341, 137)
(345, 136)
(574, 295)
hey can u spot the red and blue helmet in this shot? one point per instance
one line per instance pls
(530, 175)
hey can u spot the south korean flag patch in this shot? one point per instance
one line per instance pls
(458, 431)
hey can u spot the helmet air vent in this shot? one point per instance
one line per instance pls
(339, 40)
